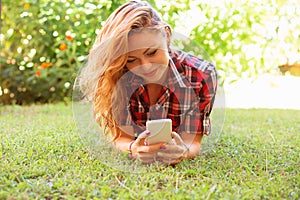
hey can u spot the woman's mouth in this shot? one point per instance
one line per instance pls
(150, 74)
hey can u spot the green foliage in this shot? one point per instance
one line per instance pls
(44, 43)
(42, 157)
(243, 38)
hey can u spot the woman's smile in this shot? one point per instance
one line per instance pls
(150, 74)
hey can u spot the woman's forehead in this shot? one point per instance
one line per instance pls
(145, 39)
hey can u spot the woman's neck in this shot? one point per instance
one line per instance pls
(153, 90)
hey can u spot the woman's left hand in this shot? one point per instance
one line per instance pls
(172, 154)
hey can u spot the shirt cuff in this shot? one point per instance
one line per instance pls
(206, 125)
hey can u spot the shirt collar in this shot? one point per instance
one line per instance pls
(176, 76)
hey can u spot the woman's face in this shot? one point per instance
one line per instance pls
(148, 55)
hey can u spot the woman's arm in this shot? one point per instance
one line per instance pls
(122, 143)
(192, 142)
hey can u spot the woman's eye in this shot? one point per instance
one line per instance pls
(152, 53)
(130, 61)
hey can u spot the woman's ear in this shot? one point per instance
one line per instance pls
(168, 32)
(169, 35)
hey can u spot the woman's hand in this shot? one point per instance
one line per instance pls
(142, 152)
(172, 154)
(169, 154)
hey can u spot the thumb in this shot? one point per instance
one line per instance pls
(142, 136)
(177, 137)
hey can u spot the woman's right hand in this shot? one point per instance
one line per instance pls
(142, 152)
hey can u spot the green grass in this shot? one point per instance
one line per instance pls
(42, 157)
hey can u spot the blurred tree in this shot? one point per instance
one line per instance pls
(44, 43)
(243, 38)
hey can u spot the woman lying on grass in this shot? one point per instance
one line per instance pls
(133, 76)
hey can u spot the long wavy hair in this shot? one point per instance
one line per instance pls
(107, 58)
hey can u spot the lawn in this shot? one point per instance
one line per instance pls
(43, 157)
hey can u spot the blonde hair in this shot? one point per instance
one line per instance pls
(107, 59)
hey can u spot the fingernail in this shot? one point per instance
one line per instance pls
(159, 154)
(163, 147)
(148, 132)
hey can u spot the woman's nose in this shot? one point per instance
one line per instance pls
(145, 65)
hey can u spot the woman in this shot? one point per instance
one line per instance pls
(132, 76)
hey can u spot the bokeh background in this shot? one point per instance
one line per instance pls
(44, 43)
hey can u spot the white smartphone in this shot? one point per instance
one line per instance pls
(160, 131)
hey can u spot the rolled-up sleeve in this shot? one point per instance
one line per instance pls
(207, 95)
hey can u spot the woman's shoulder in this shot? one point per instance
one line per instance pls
(187, 61)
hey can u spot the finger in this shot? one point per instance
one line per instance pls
(177, 137)
(142, 136)
(172, 148)
(150, 148)
(146, 157)
(170, 158)
(176, 150)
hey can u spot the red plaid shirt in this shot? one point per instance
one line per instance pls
(186, 97)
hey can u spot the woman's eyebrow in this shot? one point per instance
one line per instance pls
(154, 47)
(146, 51)
(131, 56)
